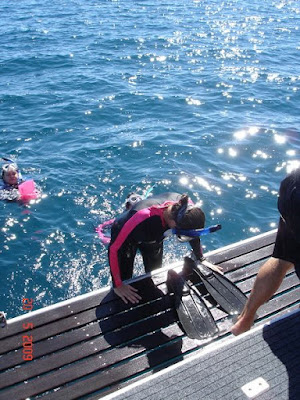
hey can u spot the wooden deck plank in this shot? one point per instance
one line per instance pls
(110, 304)
(242, 247)
(82, 333)
(83, 350)
(89, 365)
(55, 313)
(69, 309)
(246, 259)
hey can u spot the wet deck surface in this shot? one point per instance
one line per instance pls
(93, 345)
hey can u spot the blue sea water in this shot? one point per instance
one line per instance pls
(99, 98)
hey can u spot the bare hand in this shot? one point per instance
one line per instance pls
(128, 293)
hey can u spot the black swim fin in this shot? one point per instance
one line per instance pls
(194, 316)
(230, 298)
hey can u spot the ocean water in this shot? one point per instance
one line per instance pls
(99, 98)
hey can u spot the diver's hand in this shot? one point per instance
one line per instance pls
(128, 293)
(212, 266)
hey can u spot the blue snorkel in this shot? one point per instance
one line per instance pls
(189, 234)
(8, 160)
(196, 232)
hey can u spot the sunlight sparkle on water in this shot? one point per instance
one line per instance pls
(137, 143)
(204, 183)
(227, 176)
(291, 153)
(193, 102)
(262, 187)
(253, 130)
(250, 194)
(261, 154)
(184, 180)
(240, 135)
(243, 133)
(217, 211)
(232, 152)
(279, 139)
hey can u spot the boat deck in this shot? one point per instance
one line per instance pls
(264, 364)
(95, 346)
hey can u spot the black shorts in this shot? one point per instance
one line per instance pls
(286, 247)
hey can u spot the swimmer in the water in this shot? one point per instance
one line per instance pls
(11, 179)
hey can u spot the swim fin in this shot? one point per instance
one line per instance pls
(194, 316)
(230, 298)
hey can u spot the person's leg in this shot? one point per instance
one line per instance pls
(268, 280)
(152, 256)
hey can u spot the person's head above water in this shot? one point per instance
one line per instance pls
(10, 174)
(289, 203)
(187, 215)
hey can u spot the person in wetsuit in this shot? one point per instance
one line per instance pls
(286, 253)
(11, 178)
(142, 228)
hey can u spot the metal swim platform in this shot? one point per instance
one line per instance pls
(95, 346)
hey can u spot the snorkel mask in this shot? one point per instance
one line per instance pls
(10, 164)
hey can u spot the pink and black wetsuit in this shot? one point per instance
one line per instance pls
(141, 228)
